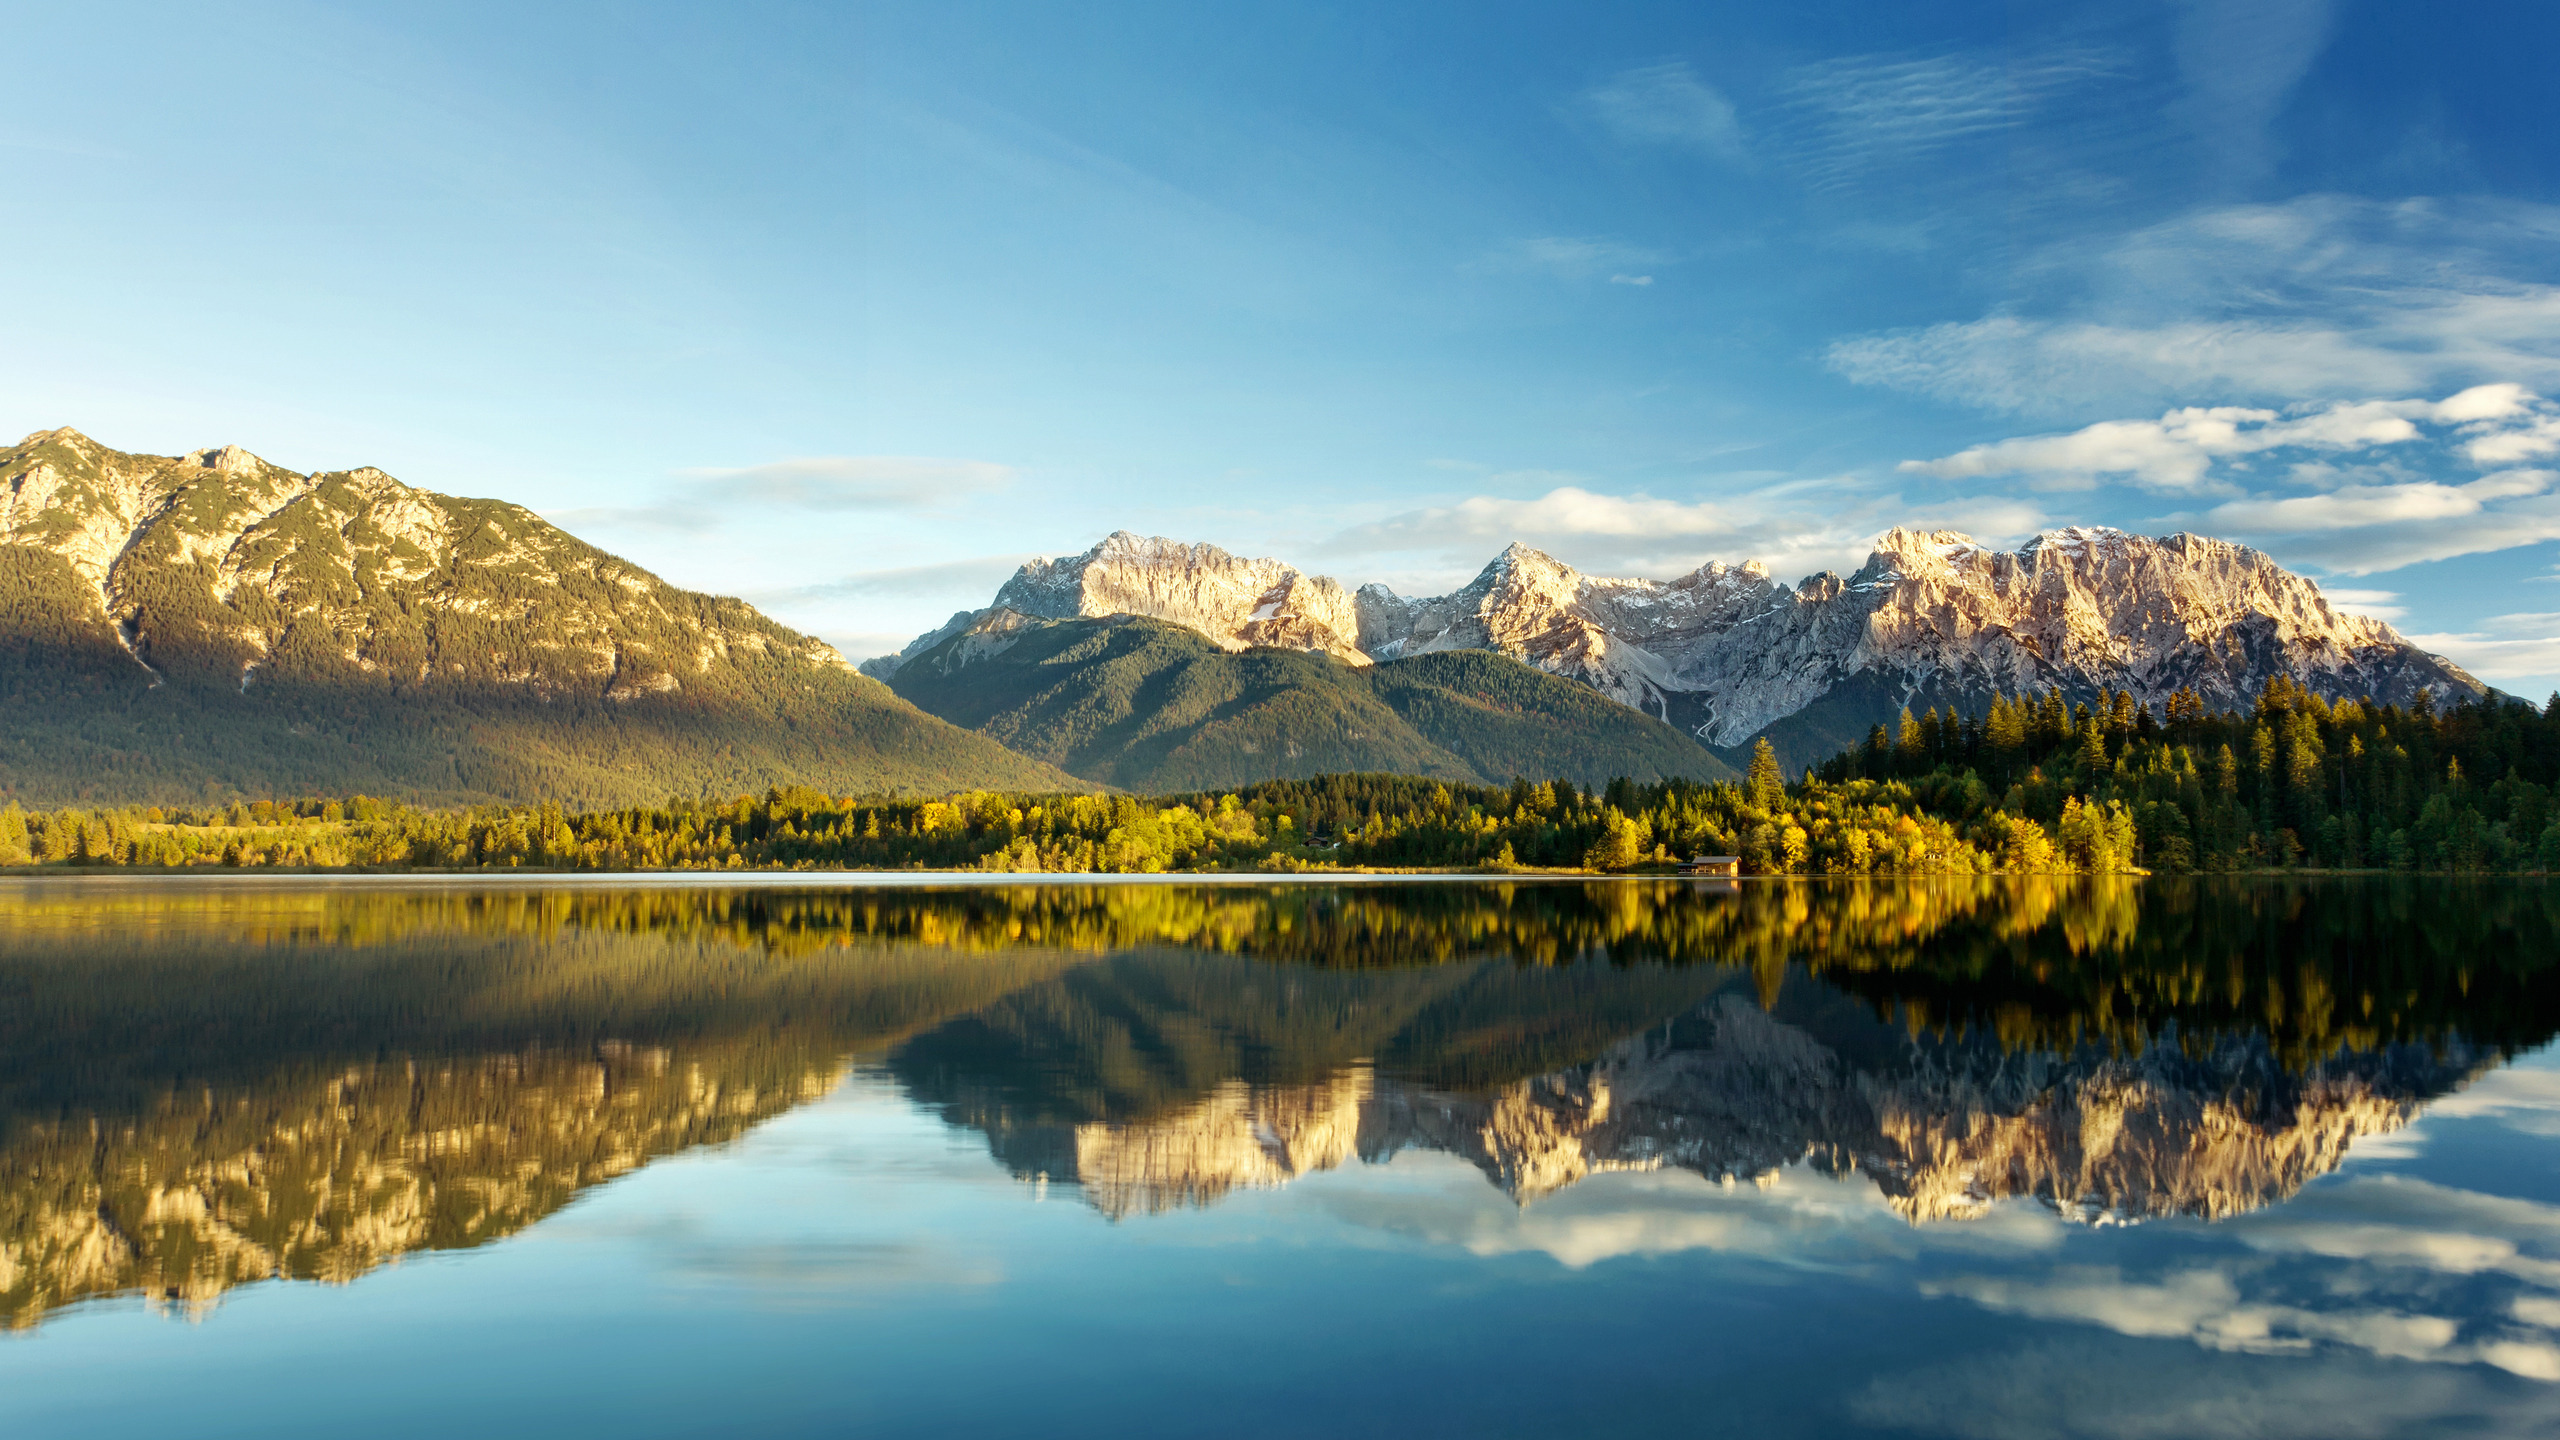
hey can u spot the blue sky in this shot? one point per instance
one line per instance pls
(850, 308)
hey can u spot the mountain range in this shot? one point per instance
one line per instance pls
(179, 628)
(1729, 654)
(198, 627)
(1155, 707)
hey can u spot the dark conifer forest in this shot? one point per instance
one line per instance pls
(2031, 785)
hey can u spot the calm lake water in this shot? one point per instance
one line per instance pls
(1974, 1158)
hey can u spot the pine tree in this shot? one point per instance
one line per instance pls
(2007, 728)
(1876, 760)
(2053, 719)
(2093, 746)
(1768, 782)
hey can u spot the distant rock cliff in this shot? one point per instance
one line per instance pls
(1728, 653)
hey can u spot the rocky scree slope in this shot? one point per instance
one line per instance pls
(1729, 653)
(207, 624)
(1155, 707)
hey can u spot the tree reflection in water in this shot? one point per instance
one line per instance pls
(205, 1084)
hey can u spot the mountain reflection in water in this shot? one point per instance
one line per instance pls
(206, 1084)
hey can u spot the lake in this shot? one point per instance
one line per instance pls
(881, 1155)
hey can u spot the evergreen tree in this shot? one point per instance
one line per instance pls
(2093, 746)
(1769, 783)
(2053, 719)
(2006, 730)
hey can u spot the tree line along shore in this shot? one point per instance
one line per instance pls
(2029, 784)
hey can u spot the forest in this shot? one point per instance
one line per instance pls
(2032, 784)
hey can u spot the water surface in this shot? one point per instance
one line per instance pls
(1976, 1158)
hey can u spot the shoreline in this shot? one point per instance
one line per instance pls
(902, 879)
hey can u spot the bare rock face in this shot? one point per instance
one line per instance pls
(1727, 652)
(1236, 603)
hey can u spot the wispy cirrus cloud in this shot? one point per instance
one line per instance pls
(2352, 507)
(2181, 449)
(2240, 59)
(1795, 528)
(820, 483)
(2321, 297)
(2503, 647)
(2386, 1244)
(1667, 104)
(2354, 487)
(2379, 604)
(2379, 548)
(1848, 117)
(978, 576)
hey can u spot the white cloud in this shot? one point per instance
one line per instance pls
(2486, 402)
(2352, 506)
(2355, 1268)
(1668, 105)
(2379, 604)
(2317, 298)
(2506, 647)
(2509, 446)
(2352, 489)
(2388, 547)
(1630, 279)
(1795, 528)
(2209, 1308)
(2521, 1097)
(2179, 450)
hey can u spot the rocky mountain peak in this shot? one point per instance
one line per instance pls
(217, 560)
(1237, 602)
(1933, 617)
(65, 436)
(228, 459)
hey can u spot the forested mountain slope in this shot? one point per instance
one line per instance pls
(1154, 707)
(192, 627)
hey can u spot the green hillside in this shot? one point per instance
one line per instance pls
(184, 629)
(1153, 707)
